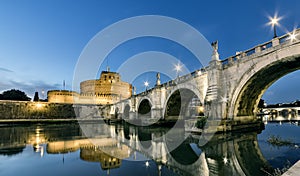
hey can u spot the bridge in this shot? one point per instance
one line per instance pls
(281, 113)
(228, 89)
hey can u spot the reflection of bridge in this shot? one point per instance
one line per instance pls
(228, 89)
(226, 154)
(230, 154)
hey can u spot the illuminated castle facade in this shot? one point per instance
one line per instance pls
(106, 90)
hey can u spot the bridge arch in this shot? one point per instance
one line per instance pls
(144, 107)
(188, 93)
(260, 76)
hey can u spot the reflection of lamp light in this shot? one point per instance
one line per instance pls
(37, 140)
(147, 164)
(225, 160)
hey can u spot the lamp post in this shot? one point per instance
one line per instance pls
(178, 69)
(146, 84)
(274, 22)
(43, 93)
(293, 36)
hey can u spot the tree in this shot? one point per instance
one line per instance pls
(14, 94)
(36, 96)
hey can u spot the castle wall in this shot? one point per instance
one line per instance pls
(62, 96)
(38, 110)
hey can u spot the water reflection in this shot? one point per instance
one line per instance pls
(280, 156)
(128, 150)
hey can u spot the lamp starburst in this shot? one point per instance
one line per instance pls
(146, 83)
(178, 68)
(274, 21)
(292, 36)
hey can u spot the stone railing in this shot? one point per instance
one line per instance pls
(230, 60)
(259, 48)
(178, 80)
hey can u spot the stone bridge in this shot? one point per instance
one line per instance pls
(281, 114)
(228, 89)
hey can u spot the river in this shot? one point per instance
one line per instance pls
(122, 149)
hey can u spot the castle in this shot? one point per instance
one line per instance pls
(106, 90)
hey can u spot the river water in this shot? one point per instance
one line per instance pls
(65, 149)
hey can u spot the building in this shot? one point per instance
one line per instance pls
(62, 96)
(106, 90)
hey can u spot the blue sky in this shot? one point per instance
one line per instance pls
(41, 41)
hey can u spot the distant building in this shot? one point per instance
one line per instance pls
(106, 90)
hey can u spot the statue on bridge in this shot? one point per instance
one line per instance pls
(158, 79)
(215, 46)
(215, 55)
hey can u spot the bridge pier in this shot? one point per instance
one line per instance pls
(156, 113)
(216, 98)
(132, 115)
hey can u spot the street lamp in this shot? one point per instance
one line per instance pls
(292, 36)
(146, 84)
(43, 93)
(274, 21)
(178, 69)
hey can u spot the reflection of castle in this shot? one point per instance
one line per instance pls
(104, 150)
(107, 161)
(106, 90)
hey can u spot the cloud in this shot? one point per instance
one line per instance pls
(29, 87)
(5, 70)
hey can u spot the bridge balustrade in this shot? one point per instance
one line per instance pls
(281, 40)
(284, 39)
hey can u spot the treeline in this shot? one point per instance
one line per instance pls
(14, 94)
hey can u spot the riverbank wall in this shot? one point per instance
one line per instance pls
(46, 112)
(27, 110)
